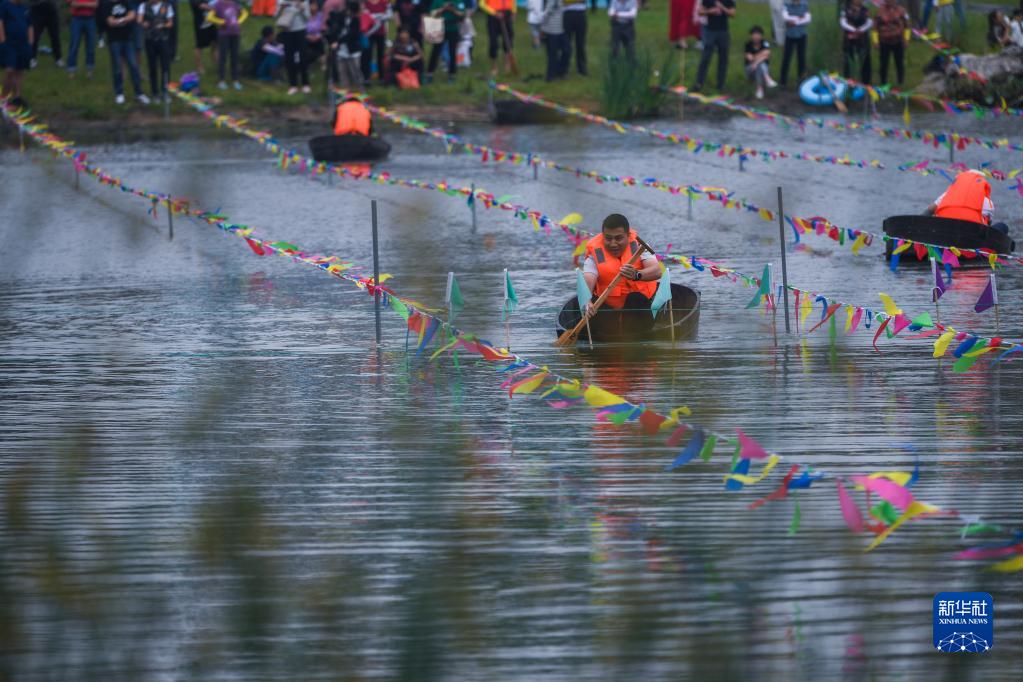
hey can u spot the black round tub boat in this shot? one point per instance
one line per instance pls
(615, 326)
(962, 234)
(340, 148)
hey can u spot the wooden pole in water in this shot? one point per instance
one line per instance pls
(689, 210)
(784, 264)
(994, 295)
(473, 207)
(376, 270)
(170, 222)
(951, 149)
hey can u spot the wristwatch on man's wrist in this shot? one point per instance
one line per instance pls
(639, 274)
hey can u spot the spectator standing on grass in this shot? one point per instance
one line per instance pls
(552, 26)
(292, 17)
(16, 37)
(314, 28)
(856, 24)
(46, 17)
(83, 23)
(957, 7)
(377, 14)
(228, 15)
(157, 17)
(205, 32)
(500, 31)
(120, 17)
(410, 18)
(892, 26)
(682, 23)
(796, 14)
(575, 34)
(534, 15)
(757, 55)
(344, 33)
(623, 27)
(452, 12)
(715, 39)
(943, 17)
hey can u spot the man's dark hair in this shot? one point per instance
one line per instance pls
(757, 29)
(614, 221)
(266, 31)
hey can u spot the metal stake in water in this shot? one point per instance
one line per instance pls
(742, 163)
(784, 264)
(534, 169)
(376, 270)
(951, 149)
(473, 207)
(170, 222)
(689, 210)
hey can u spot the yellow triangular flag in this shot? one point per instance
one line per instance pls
(889, 305)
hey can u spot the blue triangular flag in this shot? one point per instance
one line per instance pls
(663, 293)
(691, 450)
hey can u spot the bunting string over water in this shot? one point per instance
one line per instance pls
(921, 167)
(928, 137)
(523, 377)
(688, 143)
(947, 106)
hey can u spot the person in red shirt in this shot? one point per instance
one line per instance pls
(375, 16)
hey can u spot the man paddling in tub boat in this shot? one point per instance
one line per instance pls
(607, 255)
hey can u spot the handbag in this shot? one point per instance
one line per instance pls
(407, 79)
(433, 30)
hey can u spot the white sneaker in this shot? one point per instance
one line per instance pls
(222, 85)
(101, 44)
(771, 83)
(60, 63)
(142, 99)
(292, 91)
(33, 63)
(306, 89)
(119, 99)
(760, 92)
(237, 85)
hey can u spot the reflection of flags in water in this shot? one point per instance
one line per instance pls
(939, 283)
(663, 294)
(988, 297)
(511, 299)
(453, 293)
(582, 292)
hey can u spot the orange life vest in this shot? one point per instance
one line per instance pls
(608, 267)
(964, 200)
(352, 119)
(495, 6)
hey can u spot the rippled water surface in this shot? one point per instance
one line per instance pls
(209, 471)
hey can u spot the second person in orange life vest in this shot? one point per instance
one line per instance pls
(352, 118)
(969, 199)
(607, 254)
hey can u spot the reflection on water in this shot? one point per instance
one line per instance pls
(210, 472)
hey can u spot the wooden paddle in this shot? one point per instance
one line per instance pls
(569, 336)
(839, 104)
(512, 62)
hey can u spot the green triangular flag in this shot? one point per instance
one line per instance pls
(511, 299)
(399, 307)
(453, 294)
(764, 290)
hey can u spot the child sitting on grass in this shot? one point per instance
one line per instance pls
(267, 55)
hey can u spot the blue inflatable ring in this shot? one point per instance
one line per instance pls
(814, 92)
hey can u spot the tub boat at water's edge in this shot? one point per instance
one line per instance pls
(962, 234)
(614, 327)
(341, 148)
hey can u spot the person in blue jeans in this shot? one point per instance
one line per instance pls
(16, 35)
(83, 22)
(958, 5)
(715, 38)
(119, 19)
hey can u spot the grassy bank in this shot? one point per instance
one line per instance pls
(53, 95)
